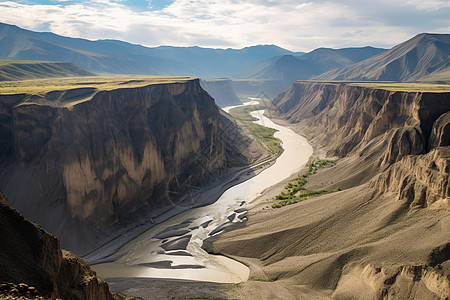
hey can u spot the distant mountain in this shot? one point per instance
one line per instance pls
(289, 68)
(28, 69)
(424, 57)
(112, 56)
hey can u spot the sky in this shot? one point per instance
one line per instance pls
(294, 25)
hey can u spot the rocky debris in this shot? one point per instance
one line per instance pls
(14, 291)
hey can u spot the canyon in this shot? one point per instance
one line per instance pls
(169, 196)
(95, 161)
(384, 235)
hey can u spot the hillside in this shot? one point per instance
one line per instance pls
(33, 265)
(385, 234)
(111, 56)
(425, 57)
(26, 69)
(289, 68)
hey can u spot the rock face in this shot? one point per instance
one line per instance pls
(34, 258)
(221, 90)
(124, 155)
(348, 117)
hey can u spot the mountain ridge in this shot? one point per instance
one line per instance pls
(411, 60)
(289, 68)
(114, 56)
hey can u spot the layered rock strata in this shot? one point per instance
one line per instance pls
(85, 162)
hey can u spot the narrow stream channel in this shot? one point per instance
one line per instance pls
(172, 249)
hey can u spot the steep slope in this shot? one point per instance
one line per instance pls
(221, 90)
(33, 263)
(26, 69)
(423, 55)
(290, 68)
(97, 160)
(345, 116)
(386, 234)
(111, 56)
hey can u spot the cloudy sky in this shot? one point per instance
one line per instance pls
(294, 25)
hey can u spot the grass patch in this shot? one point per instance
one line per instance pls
(294, 191)
(264, 134)
(101, 83)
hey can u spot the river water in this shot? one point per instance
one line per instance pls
(172, 249)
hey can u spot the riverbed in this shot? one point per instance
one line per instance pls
(173, 250)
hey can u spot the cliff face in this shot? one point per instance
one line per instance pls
(34, 258)
(221, 90)
(348, 117)
(385, 235)
(78, 167)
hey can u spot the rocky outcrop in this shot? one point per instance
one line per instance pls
(33, 265)
(347, 117)
(440, 134)
(393, 282)
(97, 160)
(419, 180)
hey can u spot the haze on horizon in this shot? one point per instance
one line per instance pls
(234, 23)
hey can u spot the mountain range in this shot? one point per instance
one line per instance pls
(290, 68)
(113, 56)
(425, 57)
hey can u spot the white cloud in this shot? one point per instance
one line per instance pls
(429, 5)
(234, 23)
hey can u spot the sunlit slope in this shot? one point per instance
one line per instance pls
(424, 57)
(11, 69)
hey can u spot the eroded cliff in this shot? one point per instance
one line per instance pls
(385, 235)
(347, 117)
(84, 162)
(33, 265)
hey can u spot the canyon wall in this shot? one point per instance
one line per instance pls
(34, 265)
(221, 90)
(385, 235)
(347, 117)
(83, 169)
(403, 134)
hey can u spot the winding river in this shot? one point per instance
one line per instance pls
(172, 249)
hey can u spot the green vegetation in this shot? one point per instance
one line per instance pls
(84, 87)
(264, 134)
(11, 69)
(407, 86)
(294, 189)
(102, 83)
(395, 86)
